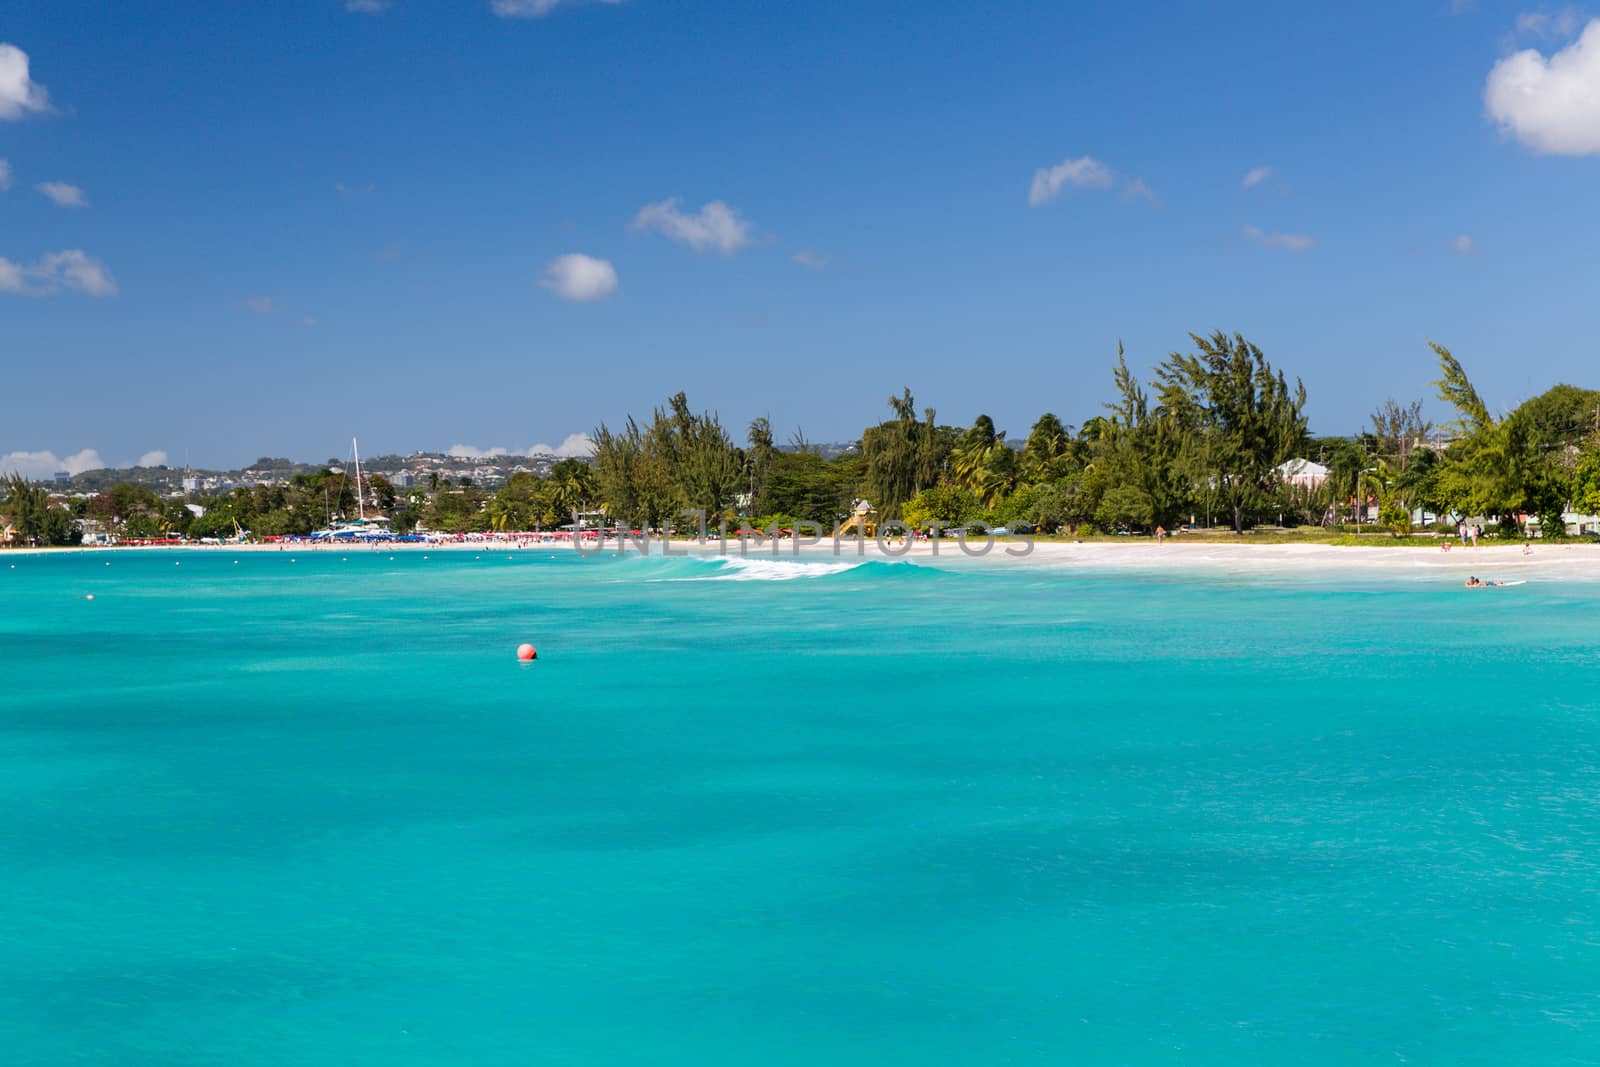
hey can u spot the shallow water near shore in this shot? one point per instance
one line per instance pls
(307, 808)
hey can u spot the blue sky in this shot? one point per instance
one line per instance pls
(300, 221)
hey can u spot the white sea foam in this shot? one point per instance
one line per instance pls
(744, 569)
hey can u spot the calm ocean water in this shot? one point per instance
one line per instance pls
(308, 810)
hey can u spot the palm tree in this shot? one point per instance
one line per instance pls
(1373, 484)
(1346, 462)
(1050, 450)
(984, 464)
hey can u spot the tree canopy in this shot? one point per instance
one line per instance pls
(1209, 435)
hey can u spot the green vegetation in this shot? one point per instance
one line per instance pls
(27, 517)
(1522, 464)
(1205, 441)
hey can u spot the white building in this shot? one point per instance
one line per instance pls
(1302, 473)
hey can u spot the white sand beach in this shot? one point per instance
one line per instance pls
(1494, 561)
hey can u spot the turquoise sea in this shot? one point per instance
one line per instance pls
(307, 809)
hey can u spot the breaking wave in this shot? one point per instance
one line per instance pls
(746, 569)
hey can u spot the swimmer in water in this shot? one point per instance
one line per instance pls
(1474, 582)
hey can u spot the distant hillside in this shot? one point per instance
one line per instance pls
(418, 468)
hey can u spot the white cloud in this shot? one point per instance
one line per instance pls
(368, 7)
(1138, 190)
(32, 465)
(530, 9)
(68, 269)
(716, 226)
(79, 271)
(522, 9)
(473, 452)
(353, 190)
(261, 305)
(1085, 171)
(86, 460)
(1550, 105)
(579, 277)
(5, 175)
(19, 94)
(811, 260)
(1463, 245)
(63, 195)
(42, 466)
(1559, 24)
(1288, 242)
(575, 444)
(1256, 176)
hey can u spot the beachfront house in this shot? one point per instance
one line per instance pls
(1577, 524)
(1302, 473)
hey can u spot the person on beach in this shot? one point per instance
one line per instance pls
(1161, 534)
(1527, 548)
(1461, 528)
(1475, 531)
(1445, 544)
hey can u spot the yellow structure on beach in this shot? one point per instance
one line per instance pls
(864, 518)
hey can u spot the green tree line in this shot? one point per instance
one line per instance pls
(1205, 439)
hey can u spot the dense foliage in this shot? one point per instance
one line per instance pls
(28, 517)
(1532, 461)
(1216, 435)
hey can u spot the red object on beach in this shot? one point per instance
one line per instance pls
(527, 652)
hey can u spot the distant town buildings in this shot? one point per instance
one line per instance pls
(417, 470)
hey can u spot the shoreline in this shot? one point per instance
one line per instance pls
(1141, 555)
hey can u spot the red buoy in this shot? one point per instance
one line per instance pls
(527, 652)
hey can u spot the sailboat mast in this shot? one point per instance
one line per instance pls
(361, 505)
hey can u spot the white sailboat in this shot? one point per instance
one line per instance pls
(360, 528)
